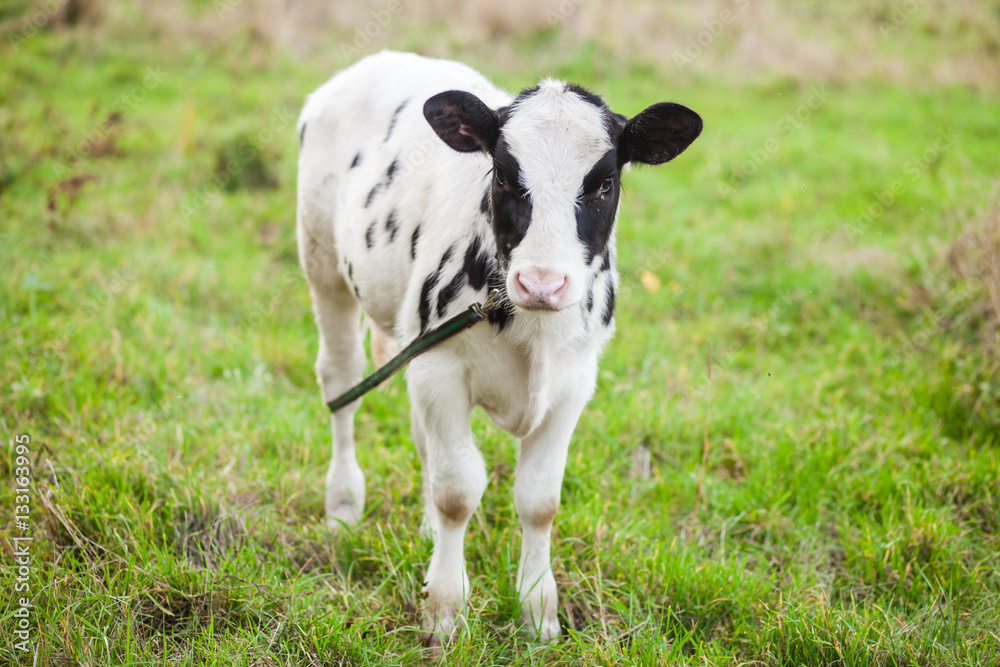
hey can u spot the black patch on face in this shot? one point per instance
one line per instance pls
(370, 236)
(424, 308)
(595, 211)
(413, 242)
(523, 95)
(587, 96)
(395, 117)
(503, 113)
(609, 306)
(613, 122)
(484, 203)
(302, 135)
(371, 195)
(391, 171)
(392, 225)
(511, 203)
(356, 161)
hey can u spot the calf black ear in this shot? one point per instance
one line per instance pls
(463, 121)
(659, 133)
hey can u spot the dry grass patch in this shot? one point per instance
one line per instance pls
(974, 258)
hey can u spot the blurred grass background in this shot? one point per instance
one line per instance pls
(791, 458)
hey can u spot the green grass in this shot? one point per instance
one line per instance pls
(821, 436)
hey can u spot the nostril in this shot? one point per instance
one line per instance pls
(524, 283)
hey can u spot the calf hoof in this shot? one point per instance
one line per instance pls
(545, 631)
(432, 642)
(342, 515)
(439, 631)
(549, 630)
(345, 495)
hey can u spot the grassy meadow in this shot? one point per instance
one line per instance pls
(793, 454)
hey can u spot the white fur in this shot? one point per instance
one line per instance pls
(533, 378)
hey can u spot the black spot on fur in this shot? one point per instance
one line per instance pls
(430, 282)
(589, 305)
(370, 236)
(484, 204)
(302, 135)
(350, 271)
(357, 294)
(476, 265)
(449, 292)
(475, 269)
(357, 160)
(413, 242)
(392, 225)
(395, 117)
(446, 257)
(389, 174)
(609, 306)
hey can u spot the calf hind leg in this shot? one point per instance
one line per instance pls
(431, 524)
(339, 366)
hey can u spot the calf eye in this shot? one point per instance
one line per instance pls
(501, 180)
(606, 186)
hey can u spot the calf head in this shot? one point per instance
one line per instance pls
(558, 153)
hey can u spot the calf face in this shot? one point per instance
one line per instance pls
(558, 153)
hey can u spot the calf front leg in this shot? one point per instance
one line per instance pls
(537, 488)
(454, 478)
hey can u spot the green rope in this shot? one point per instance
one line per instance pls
(472, 315)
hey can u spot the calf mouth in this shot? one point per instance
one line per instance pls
(542, 307)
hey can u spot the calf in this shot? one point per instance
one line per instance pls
(421, 188)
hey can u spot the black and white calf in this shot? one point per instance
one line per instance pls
(421, 187)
